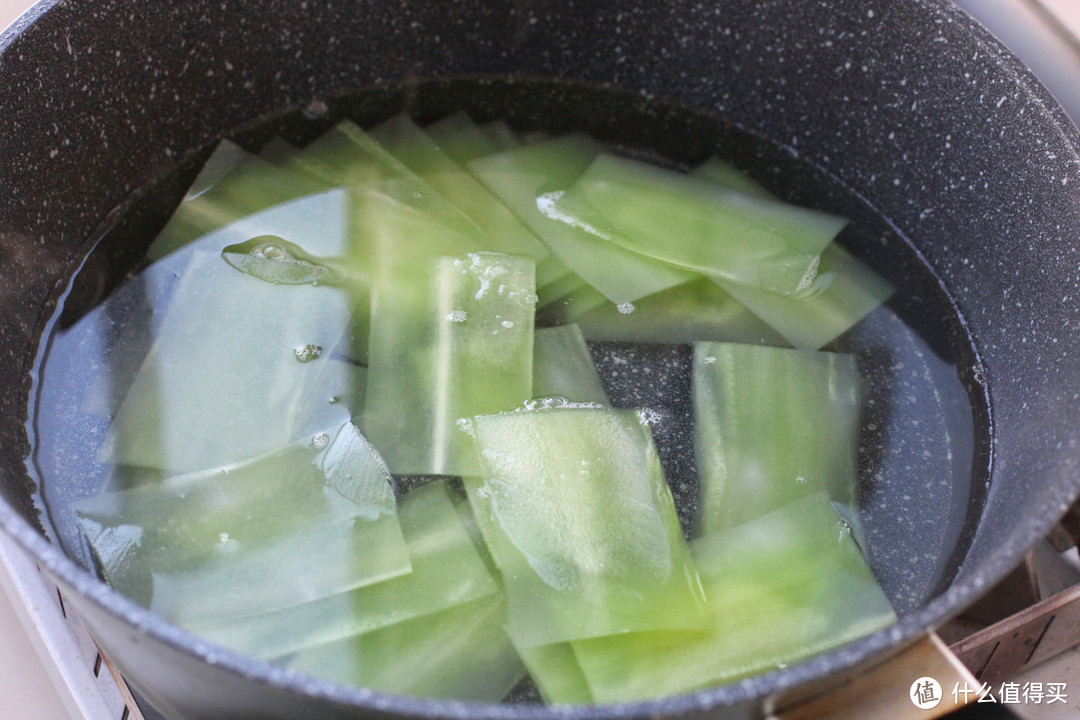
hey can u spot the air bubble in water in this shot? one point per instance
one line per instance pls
(845, 531)
(649, 417)
(307, 353)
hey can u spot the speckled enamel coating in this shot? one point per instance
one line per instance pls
(907, 103)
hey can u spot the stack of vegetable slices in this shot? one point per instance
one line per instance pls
(418, 304)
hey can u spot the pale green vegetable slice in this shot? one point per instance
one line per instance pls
(563, 366)
(297, 567)
(451, 337)
(278, 151)
(529, 179)
(555, 670)
(447, 570)
(233, 184)
(724, 173)
(417, 151)
(694, 311)
(352, 466)
(404, 332)
(574, 508)
(576, 303)
(461, 138)
(312, 242)
(698, 225)
(186, 516)
(464, 509)
(781, 588)
(226, 516)
(772, 425)
(115, 551)
(559, 288)
(336, 392)
(121, 347)
(461, 653)
(317, 223)
(501, 134)
(550, 271)
(347, 156)
(843, 292)
(192, 406)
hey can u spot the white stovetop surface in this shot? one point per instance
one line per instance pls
(26, 689)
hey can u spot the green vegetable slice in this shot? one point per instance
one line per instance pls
(526, 178)
(501, 134)
(555, 670)
(191, 406)
(574, 508)
(309, 563)
(185, 516)
(698, 225)
(727, 175)
(563, 366)
(347, 156)
(404, 332)
(446, 571)
(550, 271)
(694, 311)
(451, 337)
(772, 425)
(559, 288)
(461, 138)
(233, 184)
(115, 551)
(781, 588)
(278, 151)
(461, 653)
(844, 291)
(575, 304)
(224, 517)
(417, 151)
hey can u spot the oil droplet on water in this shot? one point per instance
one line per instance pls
(307, 353)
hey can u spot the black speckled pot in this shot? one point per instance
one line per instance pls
(906, 103)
